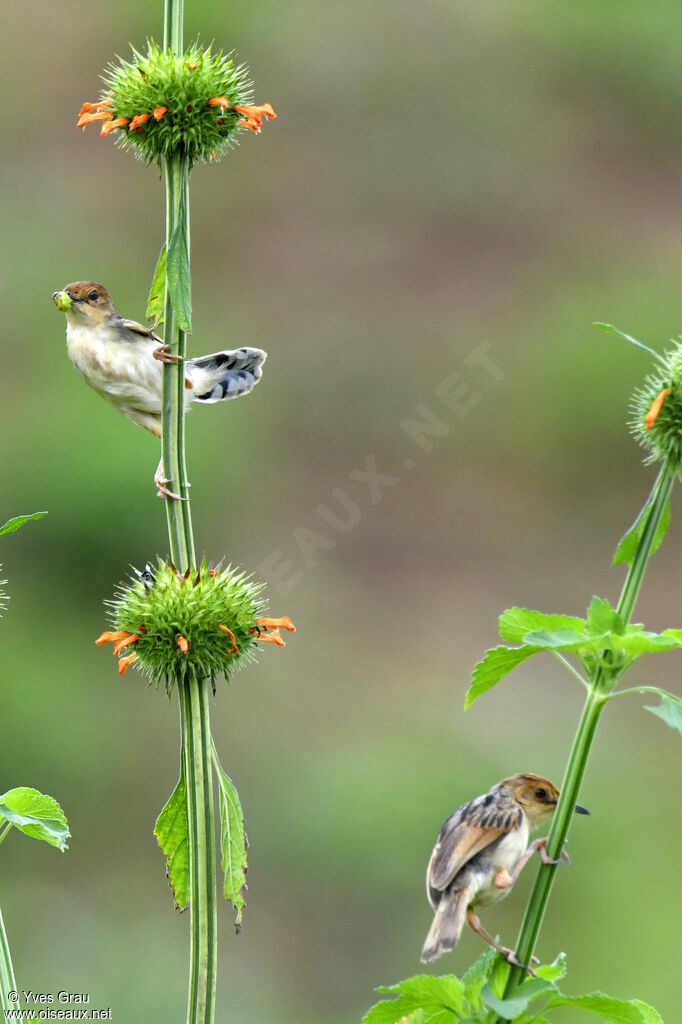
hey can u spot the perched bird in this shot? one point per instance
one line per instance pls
(479, 854)
(122, 360)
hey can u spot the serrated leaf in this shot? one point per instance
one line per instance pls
(615, 1011)
(670, 710)
(495, 664)
(512, 1007)
(515, 623)
(477, 975)
(157, 290)
(35, 814)
(602, 618)
(627, 547)
(554, 971)
(172, 836)
(13, 524)
(178, 273)
(425, 990)
(233, 841)
(635, 641)
(560, 640)
(649, 1015)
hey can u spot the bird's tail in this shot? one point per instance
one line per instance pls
(225, 374)
(447, 925)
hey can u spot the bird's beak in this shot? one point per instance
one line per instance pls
(62, 301)
(581, 810)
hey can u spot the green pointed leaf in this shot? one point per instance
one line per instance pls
(602, 618)
(495, 664)
(670, 710)
(649, 1015)
(637, 641)
(36, 815)
(627, 547)
(178, 273)
(561, 640)
(515, 623)
(615, 1011)
(554, 971)
(425, 990)
(477, 976)
(13, 524)
(512, 1007)
(157, 290)
(233, 841)
(172, 836)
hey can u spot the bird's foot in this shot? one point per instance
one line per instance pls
(164, 355)
(162, 490)
(545, 857)
(513, 959)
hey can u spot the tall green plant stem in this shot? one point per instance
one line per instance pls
(7, 981)
(193, 698)
(601, 687)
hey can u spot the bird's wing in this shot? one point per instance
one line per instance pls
(466, 832)
(132, 325)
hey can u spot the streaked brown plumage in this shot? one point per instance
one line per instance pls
(479, 853)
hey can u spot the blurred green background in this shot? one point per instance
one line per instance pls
(444, 181)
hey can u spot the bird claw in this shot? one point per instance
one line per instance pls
(546, 859)
(162, 491)
(513, 959)
(164, 355)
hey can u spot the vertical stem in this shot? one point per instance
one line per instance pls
(602, 685)
(194, 712)
(7, 980)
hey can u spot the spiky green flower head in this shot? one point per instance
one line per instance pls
(204, 622)
(656, 420)
(192, 105)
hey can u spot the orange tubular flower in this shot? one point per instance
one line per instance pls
(124, 641)
(253, 115)
(234, 649)
(84, 119)
(124, 663)
(159, 112)
(220, 101)
(108, 126)
(269, 629)
(107, 638)
(656, 407)
(138, 120)
(87, 107)
(183, 644)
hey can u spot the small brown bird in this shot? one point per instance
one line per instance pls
(122, 360)
(479, 854)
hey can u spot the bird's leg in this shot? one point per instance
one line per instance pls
(164, 355)
(475, 925)
(539, 845)
(160, 482)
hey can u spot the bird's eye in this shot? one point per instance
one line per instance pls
(93, 295)
(541, 793)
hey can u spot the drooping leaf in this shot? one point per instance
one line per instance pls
(495, 664)
(178, 273)
(172, 836)
(615, 1011)
(35, 814)
(670, 710)
(512, 1007)
(233, 841)
(156, 292)
(637, 641)
(13, 524)
(515, 623)
(439, 1000)
(602, 618)
(627, 547)
(649, 1015)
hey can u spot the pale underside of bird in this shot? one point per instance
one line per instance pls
(479, 854)
(123, 361)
